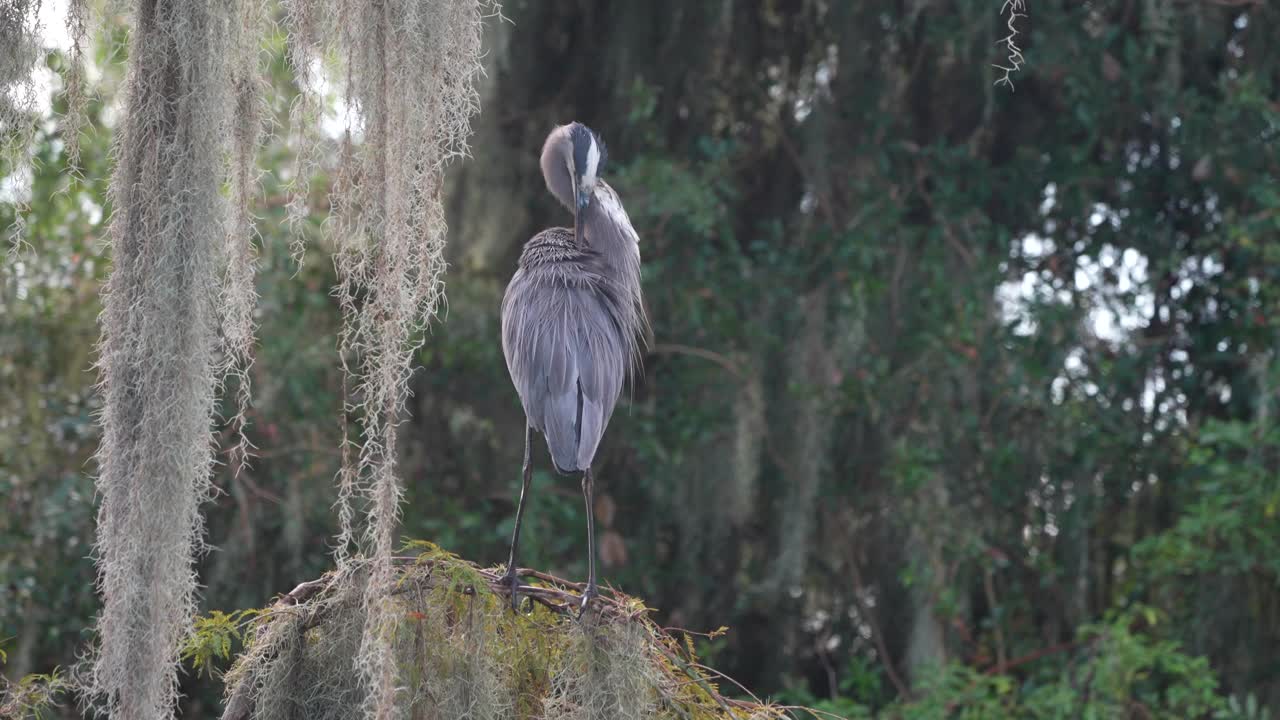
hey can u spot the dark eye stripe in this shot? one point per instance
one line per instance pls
(581, 138)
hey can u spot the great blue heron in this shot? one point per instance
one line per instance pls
(571, 321)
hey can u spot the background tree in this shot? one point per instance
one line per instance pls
(961, 399)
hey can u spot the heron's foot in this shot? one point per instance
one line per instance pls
(512, 581)
(591, 592)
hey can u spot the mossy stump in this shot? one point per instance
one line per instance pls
(462, 652)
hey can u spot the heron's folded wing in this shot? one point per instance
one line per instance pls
(566, 359)
(601, 360)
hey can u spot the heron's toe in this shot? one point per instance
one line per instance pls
(587, 595)
(512, 581)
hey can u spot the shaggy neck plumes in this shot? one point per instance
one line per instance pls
(608, 232)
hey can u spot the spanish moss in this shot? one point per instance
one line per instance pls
(239, 298)
(159, 335)
(310, 26)
(411, 69)
(19, 52)
(73, 121)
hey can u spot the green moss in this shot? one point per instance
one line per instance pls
(462, 652)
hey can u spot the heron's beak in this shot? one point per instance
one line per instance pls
(581, 201)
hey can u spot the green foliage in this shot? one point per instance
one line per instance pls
(1226, 525)
(1126, 669)
(35, 697)
(1110, 671)
(212, 638)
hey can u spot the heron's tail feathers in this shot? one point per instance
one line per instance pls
(565, 455)
(573, 426)
(562, 471)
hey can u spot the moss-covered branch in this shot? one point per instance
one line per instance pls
(461, 651)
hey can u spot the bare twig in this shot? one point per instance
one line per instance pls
(729, 365)
(715, 357)
(1015, 9)
(1003, 667)
(695, 676)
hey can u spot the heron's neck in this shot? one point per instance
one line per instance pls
(609, 232)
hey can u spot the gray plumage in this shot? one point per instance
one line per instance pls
(572, 318)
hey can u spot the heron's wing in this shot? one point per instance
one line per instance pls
(601, 359)
(566, 359)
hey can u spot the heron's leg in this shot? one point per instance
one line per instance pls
(512, 578)
(589, 495)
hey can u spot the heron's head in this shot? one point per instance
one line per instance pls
(573, 158)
